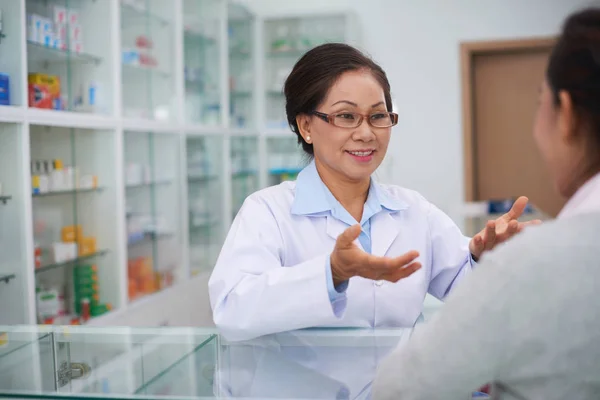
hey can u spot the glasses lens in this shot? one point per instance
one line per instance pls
(382, 120)
(346, 120)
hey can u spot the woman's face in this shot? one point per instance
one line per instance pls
(349, 153)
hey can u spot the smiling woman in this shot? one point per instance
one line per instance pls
(336, 248)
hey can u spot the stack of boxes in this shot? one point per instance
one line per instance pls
(142, 279)
(62, 32)
(44, 91)
(77, 244)
(86, 296)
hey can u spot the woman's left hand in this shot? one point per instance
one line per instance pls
(501, 229)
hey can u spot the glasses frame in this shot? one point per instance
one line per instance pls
(330, 118)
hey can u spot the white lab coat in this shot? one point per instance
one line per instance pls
(271, 274)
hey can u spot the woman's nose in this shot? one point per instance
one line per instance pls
(363, 132)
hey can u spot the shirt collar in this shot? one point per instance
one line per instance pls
(586, 199)
(313, 197)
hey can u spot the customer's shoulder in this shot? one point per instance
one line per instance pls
(552, 243)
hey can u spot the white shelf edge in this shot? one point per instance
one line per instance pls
(12, 114)
(199, 129)
(243, 132)
(69, 119)
(148, 125)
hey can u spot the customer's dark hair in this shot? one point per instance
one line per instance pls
(315, 73)
(574, 67)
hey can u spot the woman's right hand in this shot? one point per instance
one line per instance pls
(348, 260)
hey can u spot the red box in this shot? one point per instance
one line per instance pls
(40, 96)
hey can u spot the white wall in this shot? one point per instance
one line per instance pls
(417, 43)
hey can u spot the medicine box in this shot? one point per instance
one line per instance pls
(47, 33)
(60, 15)
(4, 89)
(73, 16)
(75, 38)
(71, 233)
(34, 28)
(44, 91)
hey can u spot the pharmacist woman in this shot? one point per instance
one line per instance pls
(335, 248)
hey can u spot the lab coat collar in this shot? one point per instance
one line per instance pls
(585, 200)
(311, 195)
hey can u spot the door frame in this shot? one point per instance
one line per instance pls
(468, 52)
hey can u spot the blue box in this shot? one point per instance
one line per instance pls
(4, 89)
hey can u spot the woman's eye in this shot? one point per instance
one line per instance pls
(346, 116)
(378, 116)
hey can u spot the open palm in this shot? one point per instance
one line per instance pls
(501, 229)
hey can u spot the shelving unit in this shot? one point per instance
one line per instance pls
(132, 133)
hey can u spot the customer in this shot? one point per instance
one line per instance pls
(529, 317)
(292, 260)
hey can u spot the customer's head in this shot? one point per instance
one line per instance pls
(329, 90)
(567, 128)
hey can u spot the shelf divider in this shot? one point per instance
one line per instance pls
(75, 261)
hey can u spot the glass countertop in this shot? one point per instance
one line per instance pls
(187, 363)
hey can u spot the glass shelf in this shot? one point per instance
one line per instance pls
(201, 178)
(4, 199)
(148, 238)
(129, 13)
(142, 69)
(241, 94)
(74, 261)
(37, 52)
(7, 278)
(199, 36)
(240, 54)
(65, 192)
(243, 174)
(148, 184)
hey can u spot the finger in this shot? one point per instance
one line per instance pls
(477, 246)
(402, 273)
(523, 225)
(490, 235)
(347, 238)
(517, 209)
(511, 229)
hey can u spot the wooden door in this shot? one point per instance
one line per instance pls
(505, 162)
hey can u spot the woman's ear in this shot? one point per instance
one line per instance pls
(567, 119)
(304, 127)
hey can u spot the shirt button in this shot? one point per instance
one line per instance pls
(378, 283)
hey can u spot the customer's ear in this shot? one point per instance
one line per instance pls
(567, 120)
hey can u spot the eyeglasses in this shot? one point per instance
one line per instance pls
(380, 119)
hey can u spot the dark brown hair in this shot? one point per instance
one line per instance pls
(315, 73)
(574, 67)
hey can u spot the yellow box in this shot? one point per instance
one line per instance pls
(71, 233)
(86, 245)
(52, 82)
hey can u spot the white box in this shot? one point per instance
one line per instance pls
(75, 38)
(60, 15)
(63, 252)
(47, 33)
(34, 25)
(61, 37)
(73, 17)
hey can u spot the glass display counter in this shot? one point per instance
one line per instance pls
(58, 362)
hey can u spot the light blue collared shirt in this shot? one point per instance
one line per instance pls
(314, 198)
